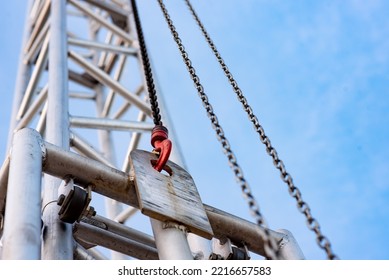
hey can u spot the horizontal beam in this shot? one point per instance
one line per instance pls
(110, 124)
(103, 179)
(102, 46)
(121, 229)
(120, 186)
(98, 236)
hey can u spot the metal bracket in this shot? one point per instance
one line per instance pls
(168, 198)
(225, 250)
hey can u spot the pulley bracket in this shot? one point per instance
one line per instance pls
(75, 205)
(225, 250)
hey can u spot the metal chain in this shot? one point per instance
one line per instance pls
(302, 206)
(269, 243)
(147, 67)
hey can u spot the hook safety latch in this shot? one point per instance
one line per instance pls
(162, 145)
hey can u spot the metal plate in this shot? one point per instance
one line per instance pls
(168, 196)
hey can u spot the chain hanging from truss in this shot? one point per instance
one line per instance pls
(270, 245)
(147, 67)
(303, 207)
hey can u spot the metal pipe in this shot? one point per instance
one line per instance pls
(125, 214)
(114, 10)
(83, 95)
(124, 108)
(80, 253)
(104, 78)
(23, 74)
(171, 242)
(238, 230)
(110, 124)
(22, 223)
(201, 248)
(57, 240)
(42, 17)
(39, 67)
(96, 254)
(101, 237)
(135, 139)
(35, 9)
(103, 55)
(82, 79)
(111, 94)
(41, 125)
(101, 20)
(105, 180)
(121, 230)
(288, 247)
(101, 46)
(4, 175)
(33, 109)
(84, 148)
(32, 52)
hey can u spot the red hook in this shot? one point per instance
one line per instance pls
(162, 145)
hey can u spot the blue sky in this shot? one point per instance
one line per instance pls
(316, 75)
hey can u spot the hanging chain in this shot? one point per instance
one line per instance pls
(302, 206)
(269, 243)
(147, 67)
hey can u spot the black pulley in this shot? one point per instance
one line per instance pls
(73, 205)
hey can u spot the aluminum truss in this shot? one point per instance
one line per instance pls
(75, 107)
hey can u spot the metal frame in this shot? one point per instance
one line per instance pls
(62, 71)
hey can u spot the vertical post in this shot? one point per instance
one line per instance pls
(57, 235)
(24, 71)
(22, 225)
(171, 241)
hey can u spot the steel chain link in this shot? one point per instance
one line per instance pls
(147, 67)
(302, 206)
(270, 245)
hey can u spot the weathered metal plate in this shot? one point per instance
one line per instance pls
(168, 198)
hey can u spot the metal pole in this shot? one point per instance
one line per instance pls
(101, 46)
(289, 248)
(102, 237)
(24, 71)
(107, 80)
(57, 237)
(110, 124)
(171, 242)
(86, 149)
(22, 225)
(121, 229)
(118, 31)
(4, 174)
(31, 112)
(39, 67)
